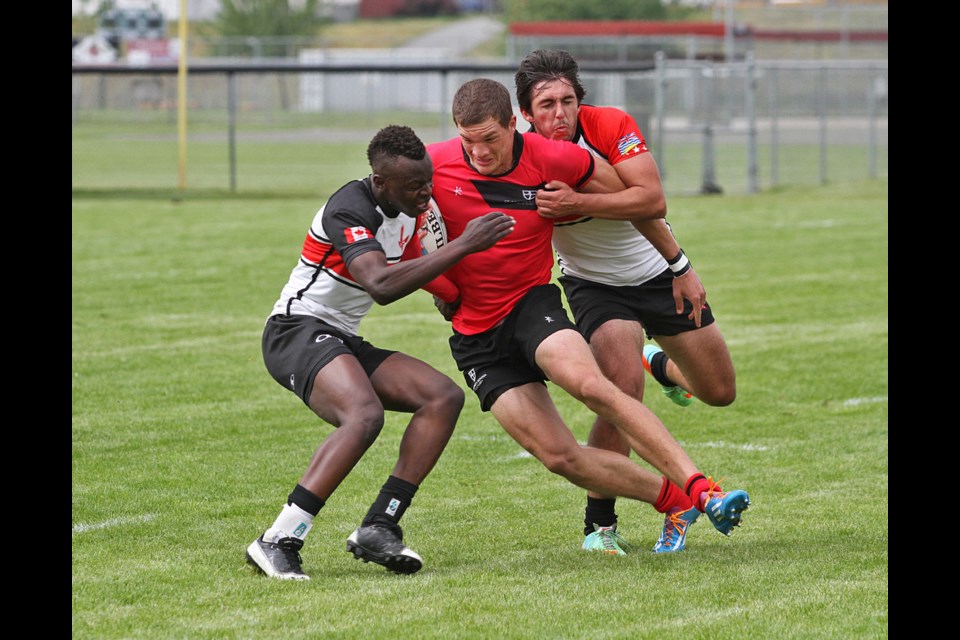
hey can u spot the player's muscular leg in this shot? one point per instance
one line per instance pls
(700, 363)
(528, 415)
(406, 384)
(343, 396)
(611, 346)
(566, 359)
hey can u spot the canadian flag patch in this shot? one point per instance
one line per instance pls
(354, 234)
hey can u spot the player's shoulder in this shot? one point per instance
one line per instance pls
(611, 132)
(352, 195)
(534, 140)
(594, 118)
(445, 151)
(352, 202)
(542, 152)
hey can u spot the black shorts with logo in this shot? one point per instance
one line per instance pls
(650, 303)
(504, 357)
(295, 348)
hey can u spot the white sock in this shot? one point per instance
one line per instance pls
(293, 522)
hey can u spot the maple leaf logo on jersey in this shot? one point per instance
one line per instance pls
(355, 234)
(631, 144)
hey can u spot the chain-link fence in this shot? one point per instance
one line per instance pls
(733, 127)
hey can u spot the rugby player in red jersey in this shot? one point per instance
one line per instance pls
(624, 283)
(511, 332)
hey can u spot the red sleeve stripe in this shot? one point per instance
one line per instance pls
(314, 249)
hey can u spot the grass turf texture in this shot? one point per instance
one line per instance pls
(184, 448)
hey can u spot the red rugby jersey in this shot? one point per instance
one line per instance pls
(492, 281)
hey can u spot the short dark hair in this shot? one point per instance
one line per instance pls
(542, 65)
(395, 140)
(479, 99)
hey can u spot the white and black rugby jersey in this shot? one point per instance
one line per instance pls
(610, 252)
(348, 225)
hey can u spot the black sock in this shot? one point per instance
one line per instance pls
(599, 511)
(658, 367)
(306, 500)
(395, 496)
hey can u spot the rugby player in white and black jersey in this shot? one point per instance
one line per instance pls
(361, 248)
(624, 276)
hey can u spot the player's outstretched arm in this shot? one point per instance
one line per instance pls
(386, 283)
(630, 190)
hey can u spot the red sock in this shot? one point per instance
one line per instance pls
(671, 497)
(696, 486)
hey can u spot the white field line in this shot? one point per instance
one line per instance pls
(113, 522)
(727, 445)
(852, 402)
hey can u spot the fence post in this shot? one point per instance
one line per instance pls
(773, 97)
(232, 127)
(659, 101)
(729, 51)
(102, 95)
(822, 109)
(877, 90)
(709, 178)
(751, 99)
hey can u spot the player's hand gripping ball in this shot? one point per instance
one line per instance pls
(431, 230)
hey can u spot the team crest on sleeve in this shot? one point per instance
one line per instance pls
(631, 144)
(355, 234)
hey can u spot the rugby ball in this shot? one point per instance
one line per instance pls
(431, 230)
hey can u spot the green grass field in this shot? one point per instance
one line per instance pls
(184, 448)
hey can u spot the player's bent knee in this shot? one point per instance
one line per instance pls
(449, 398)
(594, 391)
(726, 399)
(719, 396)
(442, 407)
(562, 463)
(366, 424)
(454, 396)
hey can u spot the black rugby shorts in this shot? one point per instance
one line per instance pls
(504, 357)
(295, 348)
(650, 303)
